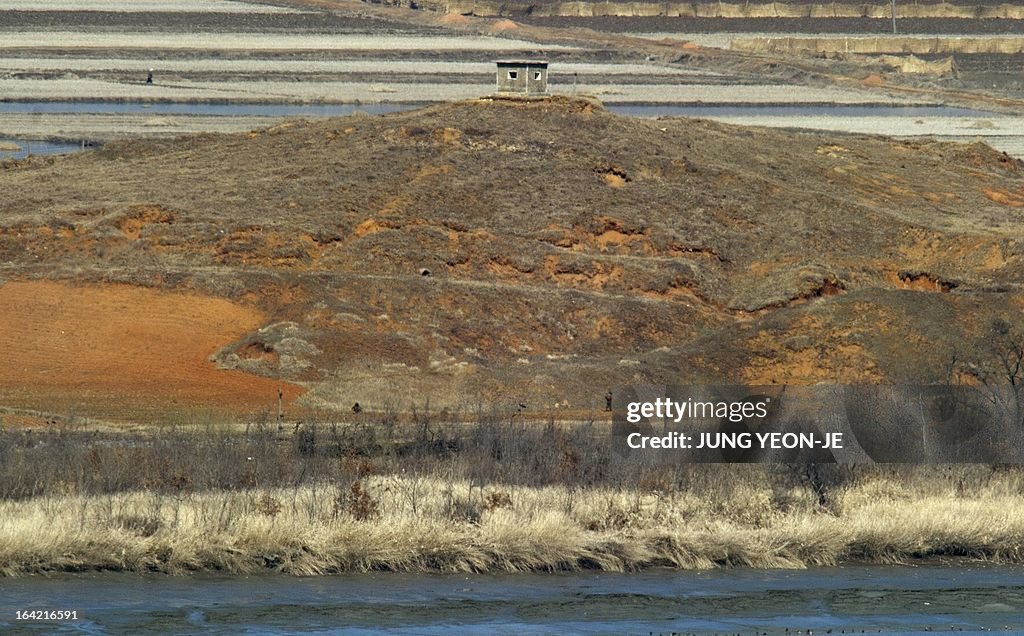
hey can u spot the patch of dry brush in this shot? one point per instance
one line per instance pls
(438, 523)
(496, 495)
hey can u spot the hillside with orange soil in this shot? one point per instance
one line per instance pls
(121, 351)
(487, 253)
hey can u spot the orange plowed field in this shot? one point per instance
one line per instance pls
(123, 352)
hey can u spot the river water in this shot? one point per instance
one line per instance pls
(875, 599)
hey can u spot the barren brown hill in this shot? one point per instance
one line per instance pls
(493, 252)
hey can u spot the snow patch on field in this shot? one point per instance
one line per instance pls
(383, 66)
(265, 42)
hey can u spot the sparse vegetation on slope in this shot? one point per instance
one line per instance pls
(539, 252)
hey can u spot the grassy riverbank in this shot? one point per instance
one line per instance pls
(301, 532)
(444, 518)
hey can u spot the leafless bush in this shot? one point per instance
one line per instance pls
(305, 441)
(178, 461)
(497, 499)
(463, 508)
(268, 505)
(142, 525)
(358, 503)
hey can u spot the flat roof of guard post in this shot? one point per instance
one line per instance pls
(531, 63)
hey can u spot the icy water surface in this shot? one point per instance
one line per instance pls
(21, 148)
(878, 599)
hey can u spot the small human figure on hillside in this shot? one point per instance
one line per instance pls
(149, 77)
(356, 408)
(608, 401)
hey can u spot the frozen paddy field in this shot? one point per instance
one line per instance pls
(422, 68)
(251, 54)
(373, 92)
(215, 49)
(69, 40)
(218, 51)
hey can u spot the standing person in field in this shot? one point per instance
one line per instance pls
(149, 77)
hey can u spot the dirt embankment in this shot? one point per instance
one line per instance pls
(508, 252)
(886, 44)
(878, 10)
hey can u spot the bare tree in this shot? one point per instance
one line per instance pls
(995, 373)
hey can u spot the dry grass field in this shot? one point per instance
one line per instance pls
(408, 523)
(494, 495)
